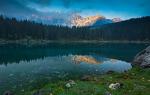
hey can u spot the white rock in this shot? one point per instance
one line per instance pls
(114, 86)
(68, 85)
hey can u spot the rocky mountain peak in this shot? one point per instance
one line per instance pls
(87, 21)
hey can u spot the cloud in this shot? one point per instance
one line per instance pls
(15, 8)
(108, 8)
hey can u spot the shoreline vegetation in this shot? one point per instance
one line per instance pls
(135, 82)
(41, 42)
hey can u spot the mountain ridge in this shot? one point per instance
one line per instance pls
(74, 20)
(87, 21)
(136, 29)
(93, 21)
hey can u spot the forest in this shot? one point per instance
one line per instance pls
(136, 29)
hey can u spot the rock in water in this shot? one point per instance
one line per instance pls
(142, 59)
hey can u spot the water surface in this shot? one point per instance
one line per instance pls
(24, 68)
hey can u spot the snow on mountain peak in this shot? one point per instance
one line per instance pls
(87, 21)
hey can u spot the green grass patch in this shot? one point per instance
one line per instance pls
(135, 82)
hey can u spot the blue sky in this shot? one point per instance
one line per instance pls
(124, 9)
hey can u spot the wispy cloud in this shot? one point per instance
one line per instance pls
(109, 8)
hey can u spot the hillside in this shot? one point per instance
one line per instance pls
(132, 29)
(137, 29)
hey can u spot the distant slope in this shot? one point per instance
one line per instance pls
(101, 22)
(132, 29)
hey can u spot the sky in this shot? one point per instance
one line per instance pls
(61, 9)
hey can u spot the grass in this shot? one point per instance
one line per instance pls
(135, 82)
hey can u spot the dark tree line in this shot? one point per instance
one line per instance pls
(133, 29)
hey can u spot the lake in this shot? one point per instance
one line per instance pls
(27, 67)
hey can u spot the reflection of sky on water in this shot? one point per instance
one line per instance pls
(117, 66)
(25, 67)
(53, 68)
(64, 63)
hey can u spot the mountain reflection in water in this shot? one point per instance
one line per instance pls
(10, 53)
(24, 66)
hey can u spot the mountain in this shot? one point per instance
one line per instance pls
(72, 20)
(88, 21)
(94, 21)
(102, 22)
(136, 29)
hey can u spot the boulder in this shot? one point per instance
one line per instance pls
(142, 59)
